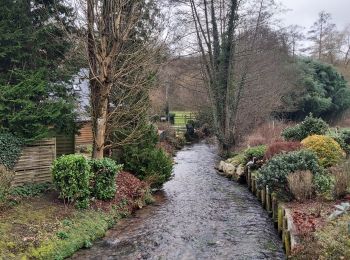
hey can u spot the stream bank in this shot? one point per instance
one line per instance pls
(198, 215)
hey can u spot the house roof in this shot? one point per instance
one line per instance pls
(81, 87)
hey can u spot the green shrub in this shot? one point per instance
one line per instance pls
(10, 149)
(324, 184)
(104, 173)
(326, 148)
(71, 176)
(310, 126)
(257, 152)
(292, 133)
(150, 164)
(275, 172)
(146, 160)
(237, 160)
(30, 190)
(343, 139)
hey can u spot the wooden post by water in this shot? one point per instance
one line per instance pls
(268, 201)
(280, 219)
(263, 197)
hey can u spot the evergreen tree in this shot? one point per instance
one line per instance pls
(35, 93)
(325, 92)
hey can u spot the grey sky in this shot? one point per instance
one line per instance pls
(304, 12)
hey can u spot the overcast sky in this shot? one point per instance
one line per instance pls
(304, 12)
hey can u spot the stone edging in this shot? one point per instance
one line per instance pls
(276, 209)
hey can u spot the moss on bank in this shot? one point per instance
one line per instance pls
(44, 228)
(75, 233)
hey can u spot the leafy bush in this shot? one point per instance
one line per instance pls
(300, 184)
(149, 164)
(104, 173)
(257, 152)
(324, 185)
(275, 172)
(326, 148)
(71, 176)
(310, 126)
(281, 147)
(30, 190)
(10, 149)
(147, 161)
(345, 134)
(6, 178)
(237, 159)
(343, 139)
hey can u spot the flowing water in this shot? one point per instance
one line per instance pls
(198, 215)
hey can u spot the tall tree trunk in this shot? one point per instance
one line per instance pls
(99, 107)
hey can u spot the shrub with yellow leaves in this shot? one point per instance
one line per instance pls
(326, 148)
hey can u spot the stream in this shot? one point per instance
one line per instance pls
(197, 215)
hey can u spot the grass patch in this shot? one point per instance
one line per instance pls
(42, 227)
(181, 117)
(334, 239)
(78, 232)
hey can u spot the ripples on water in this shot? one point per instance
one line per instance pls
(198, 215)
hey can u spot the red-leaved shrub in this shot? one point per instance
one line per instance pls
(281, 147)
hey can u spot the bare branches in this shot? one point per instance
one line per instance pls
(122, 59)
(227, 32)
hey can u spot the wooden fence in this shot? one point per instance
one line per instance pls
(85, 137)
(34, 165)
(65, 144)
(280, 214)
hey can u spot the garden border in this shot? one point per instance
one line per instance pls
(276, 209)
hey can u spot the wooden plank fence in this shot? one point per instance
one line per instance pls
(34, 165)
(65, 144)
(85, 136)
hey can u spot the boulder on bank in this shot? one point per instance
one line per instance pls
(231, 170)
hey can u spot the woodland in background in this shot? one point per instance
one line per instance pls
(275, 79)
(284, 83)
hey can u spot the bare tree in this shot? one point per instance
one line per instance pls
(122, 58)
(293, 37)
(219, 26)
(320, 32)
(345, 49)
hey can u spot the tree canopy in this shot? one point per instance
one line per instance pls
(325, 92)
(35, 92)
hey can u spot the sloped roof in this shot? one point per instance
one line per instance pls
(81, 87)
